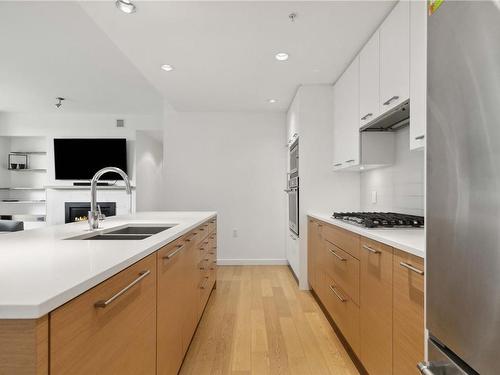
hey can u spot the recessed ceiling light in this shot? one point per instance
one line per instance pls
(167, 67)
(272, 101)
(126, 6)
(282, 56)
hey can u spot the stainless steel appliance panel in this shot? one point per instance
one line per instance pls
(463, 181)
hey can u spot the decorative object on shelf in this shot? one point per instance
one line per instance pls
(17, 161)
(59, 102)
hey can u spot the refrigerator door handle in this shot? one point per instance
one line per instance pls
(423, 367)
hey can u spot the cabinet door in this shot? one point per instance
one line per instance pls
(408, 313)
(96, 334)
(418, 73)
(369, 80)
(169, 308)
(376, 307)
(346, 118)
(311, 253)
(395, 57)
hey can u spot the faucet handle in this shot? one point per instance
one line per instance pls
(100, 216)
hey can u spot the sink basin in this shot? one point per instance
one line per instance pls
(120, 237)
(130, 232)
(140, 230)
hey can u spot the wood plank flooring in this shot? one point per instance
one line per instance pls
(258, 322)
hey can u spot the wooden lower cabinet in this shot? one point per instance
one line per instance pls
(376, 307)
(375, 295)
(170, 307)
(94, 334)
(408, 349)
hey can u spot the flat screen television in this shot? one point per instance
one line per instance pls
(81, 158)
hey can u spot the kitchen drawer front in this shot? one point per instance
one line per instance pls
(408, 313)
(117, 339)
(212, 225)
(344, 269)
(343, 239)
(343, 311)
(376, 306)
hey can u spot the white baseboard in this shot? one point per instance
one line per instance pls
(252, 262)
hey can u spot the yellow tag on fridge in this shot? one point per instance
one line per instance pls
(433, 5)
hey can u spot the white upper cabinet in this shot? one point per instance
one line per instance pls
(395, 57)
(369, 80)
(346, 118)
(418, 73)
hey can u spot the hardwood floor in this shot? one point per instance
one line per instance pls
(258, 322)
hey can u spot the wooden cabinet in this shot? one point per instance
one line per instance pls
(369, 80)
(374, 294)
(376, 307)
(418, 73)
(345, 117)
(110, 329)
(170, 307)
(408, 313)
(313, 247)
(395, 57)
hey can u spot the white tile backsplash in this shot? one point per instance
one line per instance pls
(400, 187)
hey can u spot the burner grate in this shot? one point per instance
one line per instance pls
(381, 219)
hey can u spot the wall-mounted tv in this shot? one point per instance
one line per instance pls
(81, 158)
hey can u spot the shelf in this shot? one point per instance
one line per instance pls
(39, 218)
(28, 170)
(71, 187)
(28, 153)
(22, 201)
(23, 188)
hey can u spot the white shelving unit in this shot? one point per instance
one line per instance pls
(22, 191)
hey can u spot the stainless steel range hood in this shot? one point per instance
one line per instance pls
(393, 120)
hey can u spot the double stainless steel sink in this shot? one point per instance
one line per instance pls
(130, 232)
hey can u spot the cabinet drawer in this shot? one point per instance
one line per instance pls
(343, 311)
(344, 269)
(408, 313)
(343, 239)
(117, 338)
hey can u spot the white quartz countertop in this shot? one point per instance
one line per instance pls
(40, 270)
(411, 240)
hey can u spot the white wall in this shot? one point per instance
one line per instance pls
(321, 189)
(232, 163)
(400, 187)
(149, 173)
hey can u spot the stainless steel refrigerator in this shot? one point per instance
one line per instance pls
(463, 189)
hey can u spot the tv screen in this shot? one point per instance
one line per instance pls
(81, 158)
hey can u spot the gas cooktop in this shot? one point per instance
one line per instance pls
(381, 219)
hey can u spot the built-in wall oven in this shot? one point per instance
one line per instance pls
(293, 188)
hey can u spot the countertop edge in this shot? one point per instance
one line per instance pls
(36, 311)
(370, 234)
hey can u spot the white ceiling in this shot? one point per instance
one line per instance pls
(223, 52)
(105, 61)
(50, 49)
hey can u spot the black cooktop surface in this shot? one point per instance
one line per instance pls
(381, 219)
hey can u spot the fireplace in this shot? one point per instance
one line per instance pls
(78, 211)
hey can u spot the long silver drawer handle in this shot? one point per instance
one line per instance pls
(389, 101)
(371, 250)
(349, 161)
(174, 253)
(419, 137)
(106, 303)
(342, 299)
(411, 268)
(337, 165)
(337, 255)
(366, 116)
